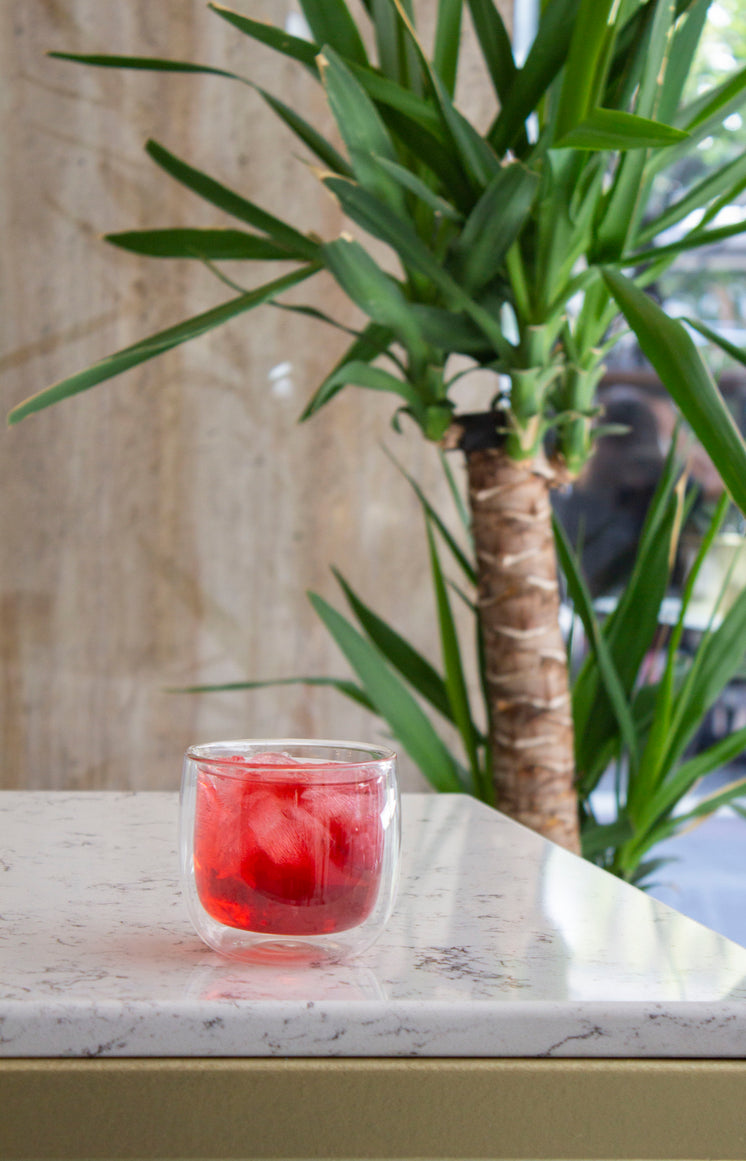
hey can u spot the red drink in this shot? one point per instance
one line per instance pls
(288, 848)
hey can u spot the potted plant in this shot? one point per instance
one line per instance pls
(517, 247)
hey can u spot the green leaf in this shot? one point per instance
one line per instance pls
(704, 808)
(456, 552)
(459, 502)
(737, 353)
(547, 56)
(475, 154)
(361, 129)
(393, 701)
(495, 46)
(308, 135)
(493, 225)
(331, 24)
(455, 680)
(188, 243)
(618, 131)
(419, 188)
(374, 340)
(146, 63)
(347, 688)
(714, 105)
(657, 758)
(378, 220)
(293, 46)
(374, 291)
(628, 632)
(692, 241)
(717, 661)
(673, 789)
(701, 119)
(446, 331)
(386, 25)
(722, 181)
(418, 111)
(413, 667)
(679, 65)
(297, 244)
(358, 374)
(609, 676)
(627, 194)
(156, 344)
(447, 42)
(429, 149)
(596, 838)
(674, 356)
(587, 60)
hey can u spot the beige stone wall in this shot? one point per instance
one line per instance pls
(163, 528)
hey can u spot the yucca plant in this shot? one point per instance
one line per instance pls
(630, 720)
(516, 247)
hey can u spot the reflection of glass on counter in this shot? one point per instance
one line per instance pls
(348, 983)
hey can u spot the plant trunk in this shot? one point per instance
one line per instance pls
(526, 666)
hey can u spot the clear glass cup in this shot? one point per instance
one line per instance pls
(289, 848)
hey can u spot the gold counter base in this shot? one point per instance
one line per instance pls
(547, 1110)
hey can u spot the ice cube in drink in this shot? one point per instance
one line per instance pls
(287, 847)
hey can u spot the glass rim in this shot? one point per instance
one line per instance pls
(370, 755)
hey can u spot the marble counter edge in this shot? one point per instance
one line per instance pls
(628, 1029)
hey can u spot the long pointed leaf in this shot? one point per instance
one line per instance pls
(493, 225)
(455, 680)
(215, 245)
(723, 181)
(393, 701)
(368, 212)
(692, 241)
(144, 63)
(495, 45)
(547, 56)
(374, 340)
(308, 135)
(156, 344)
(737, 353)
(456, 552)
(618, 131)
(419, 188)
(689, 774)
(347, 688)
(610, 679)
(293, 46)
(361, 129)
(359, 374)
(626, 196)
(331, 24)
(447, 42)
(678, 69)
(717, 661)
(583, 75)
(413, 667)
(668, 346)
(374, 291)
(476, 156)
(232, 203)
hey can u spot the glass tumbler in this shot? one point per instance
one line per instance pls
(289, 848)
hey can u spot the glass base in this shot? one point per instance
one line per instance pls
(278, 949)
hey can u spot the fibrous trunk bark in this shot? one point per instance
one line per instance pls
(528, 687)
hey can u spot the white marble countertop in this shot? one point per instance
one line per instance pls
(501, 944)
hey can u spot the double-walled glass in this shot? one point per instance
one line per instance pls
(289, 848)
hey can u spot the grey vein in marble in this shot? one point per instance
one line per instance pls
(501, 944)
